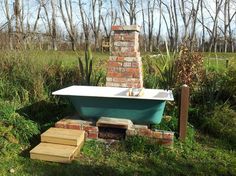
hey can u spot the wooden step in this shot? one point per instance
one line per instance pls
(63, 136)
(54, 152)
(114, 123)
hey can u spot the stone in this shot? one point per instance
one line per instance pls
(126, 28)
(12, 171)
(137, 127)
(114, 123)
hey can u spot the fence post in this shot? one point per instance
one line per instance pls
(226, 63)
(183, 112)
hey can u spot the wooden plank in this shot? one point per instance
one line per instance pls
(63, 136)
(54, 152)
(77, 153)
(114, 123)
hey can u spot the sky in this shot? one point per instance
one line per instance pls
(31, 6)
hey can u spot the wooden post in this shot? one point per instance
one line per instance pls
(227, 63)
(183, 112)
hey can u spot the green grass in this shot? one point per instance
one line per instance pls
(207, 156)
(25, 99)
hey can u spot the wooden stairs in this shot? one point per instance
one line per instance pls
(59, 145)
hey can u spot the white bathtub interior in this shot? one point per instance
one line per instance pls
(114, 92)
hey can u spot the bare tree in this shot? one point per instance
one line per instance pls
(50, 20)
(175, 23)
(195, 10)
(85, 24)
(214, 31)
(37, 16)
(151, 6)
(128, 7)
(189, 12)
(53, 27)
(143, 27)
(17, 10)
(169, 26)
(227, 31)
(110, 15)
(66, 10)
(203, 27)
(9, 23)
(122, 9)
(96, 22)
(17, 13)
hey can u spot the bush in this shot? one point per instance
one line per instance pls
(221, 123)
(15, 130)
(189, 67)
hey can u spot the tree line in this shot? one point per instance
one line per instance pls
(201, 24)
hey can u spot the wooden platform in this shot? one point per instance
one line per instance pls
(63, 136)
(59, 145)
(54, 152)
(114, 123)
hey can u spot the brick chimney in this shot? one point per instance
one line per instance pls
(125, 64)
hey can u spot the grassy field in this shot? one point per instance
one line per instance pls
(27, 109)
(205, 156)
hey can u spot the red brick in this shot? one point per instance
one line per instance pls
(134, 85)
(90, 128)
(131, 132)
(61, 124)
(145, 132)
(76, 126)
(168, 135)
(135, 64)
(113, 74)
(92, 135)
(166, 142)
(133, 70)
(127, 64)
(128, 74)
(120, 59)
(126, 54)
(117, 37)
(114, 28)
(120, 80)
(157, 134)
(126, 49)
(114, 64)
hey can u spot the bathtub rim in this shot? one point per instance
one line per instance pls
(66, 92)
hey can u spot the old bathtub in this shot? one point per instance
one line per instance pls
(93, 102)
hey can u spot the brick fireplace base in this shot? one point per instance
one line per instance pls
(165, 138)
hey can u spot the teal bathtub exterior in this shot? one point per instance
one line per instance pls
(141, 110)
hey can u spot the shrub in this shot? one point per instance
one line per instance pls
(15, 130)
(189, 67)
(221, 123)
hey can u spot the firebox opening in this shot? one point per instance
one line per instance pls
(111, 133)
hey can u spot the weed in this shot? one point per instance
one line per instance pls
(87, 70)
